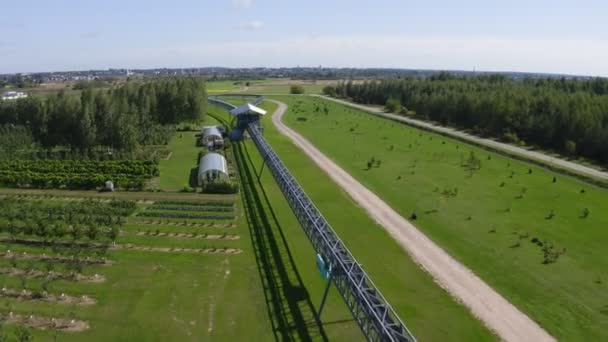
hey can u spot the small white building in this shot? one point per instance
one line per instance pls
(212, 167)
(211, 136)
(13, 95)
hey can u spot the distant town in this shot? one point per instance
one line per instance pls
(20, 80)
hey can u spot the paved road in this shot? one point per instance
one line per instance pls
(571, 166)
(491, 308)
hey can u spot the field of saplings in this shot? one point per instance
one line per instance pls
(71, 268)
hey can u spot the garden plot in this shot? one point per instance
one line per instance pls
(59, 252)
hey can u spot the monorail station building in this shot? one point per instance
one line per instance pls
(212, 167)
(245, 114)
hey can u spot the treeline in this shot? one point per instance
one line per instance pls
(122, 118)
(566, 115)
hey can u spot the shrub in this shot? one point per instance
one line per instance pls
(570, 147)
(551, 253)
(329, 91)
(392, 105)
(221, 187)
(586, 213)
(296, 89)
(510, 137)
(187, 188)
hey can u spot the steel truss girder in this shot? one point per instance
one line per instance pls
(374, 315)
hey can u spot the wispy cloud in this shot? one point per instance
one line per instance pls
(242, 4)
(252, 25)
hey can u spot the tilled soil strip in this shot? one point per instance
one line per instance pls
(116, 246)
(208, 250)
(51, 275)
(46, 297)
(44, 323)
(184, 224)
(56, 258)
(188, 235)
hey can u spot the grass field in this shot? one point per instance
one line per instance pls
(418, 300)
(149, 295)
(537, 237)
(167, 277)
(175, 171)
(267, 86)
(173, 278)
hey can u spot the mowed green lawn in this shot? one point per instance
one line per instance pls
(489, 219)
(175, 171)
(266, 86)
(427, 309)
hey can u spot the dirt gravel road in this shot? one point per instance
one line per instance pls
(487, 305)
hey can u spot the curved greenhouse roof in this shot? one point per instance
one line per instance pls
(213, 162)
(211, 131)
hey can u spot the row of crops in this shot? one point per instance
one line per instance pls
(199, 210)
(77, 174)
(190, 208)
(90, 219)
(197, 203)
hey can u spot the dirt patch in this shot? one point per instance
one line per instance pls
(183, 224)
(44, 323)
(51, 275)
(46, 297)
(54, 258)
(189, 235)
(209, 250)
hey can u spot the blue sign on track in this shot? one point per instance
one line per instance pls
(324, 268)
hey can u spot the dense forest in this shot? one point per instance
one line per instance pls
(121, 118)
(565, 115)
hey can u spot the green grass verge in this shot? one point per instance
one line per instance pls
(491, 222)
(428, 310)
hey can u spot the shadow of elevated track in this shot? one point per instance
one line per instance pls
(290, 309)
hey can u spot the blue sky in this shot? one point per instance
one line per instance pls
(534, 35)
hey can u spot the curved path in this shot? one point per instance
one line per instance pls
(491, 308)
(539, 156)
